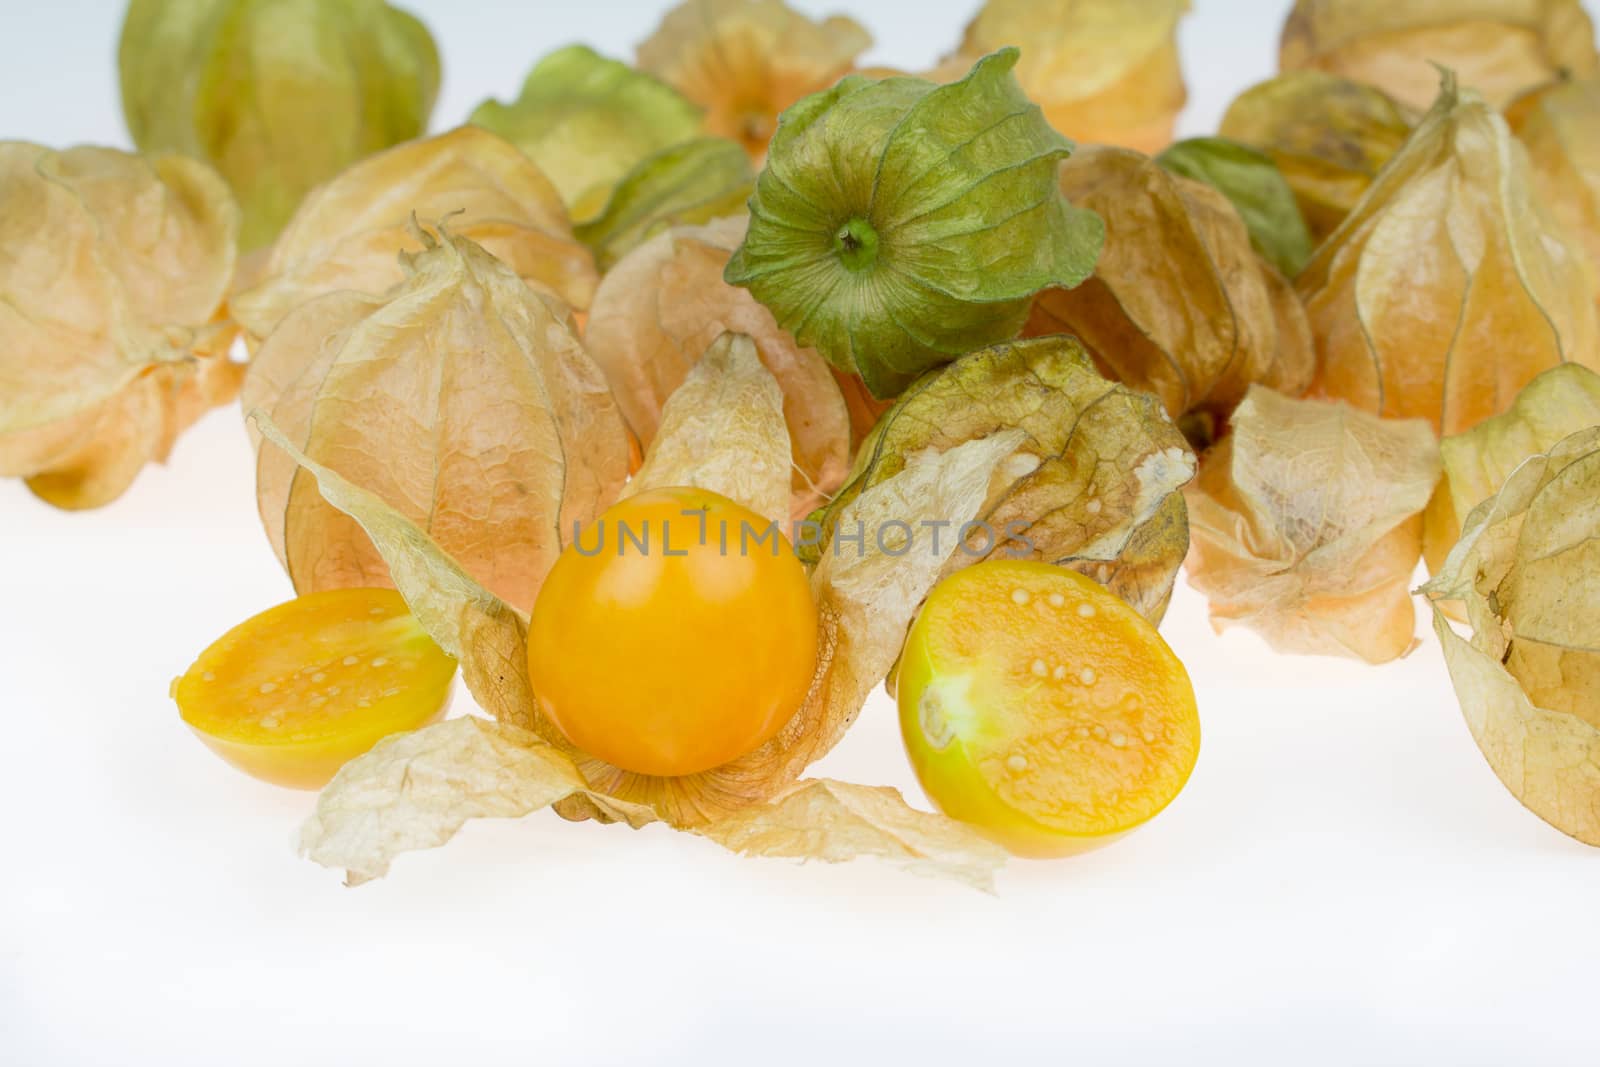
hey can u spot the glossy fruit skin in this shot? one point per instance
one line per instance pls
(984, 678)
(667, 654)
(279, 698)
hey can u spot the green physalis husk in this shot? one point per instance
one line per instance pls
(588, 120)
(278, 95)
(900, 224)
(1256, 188)
(685, 185)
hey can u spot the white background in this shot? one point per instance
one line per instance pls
(1343, 881)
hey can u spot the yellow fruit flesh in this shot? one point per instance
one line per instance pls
(1043, 710)
(295, 693)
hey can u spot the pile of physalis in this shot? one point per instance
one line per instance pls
(678, 405)
(610, 528)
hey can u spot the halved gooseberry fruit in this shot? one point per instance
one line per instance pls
(295, 693)
(1042, 709)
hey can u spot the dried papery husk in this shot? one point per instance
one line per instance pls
(1449, 287)
(1180, 305)
(588, 120)
(374, 809)
(460, 397)
(730, 398)
(1497, 47)
(822, 819)
(1307, 525)
(1105, 71)
(1528, 569)
(1560, 126)
(900, 224)
(746, 61)
(415, 790)
(1328, 135)
(663, 305)
(279, 97)
(350, 233)
(407, 795)
(1552, 407)
(1095, 486)
(113, 268)
(689, 184)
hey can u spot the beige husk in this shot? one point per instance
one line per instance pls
(1555, 405)
(1449, 287)
(1105, 71)
(369, 813)
(1180, 304)
(1560, 126)
(1528, 570)
(1497, 47)
(746, 61)
(1307, 525)
(113, 268)
(462, 398)
(350, 233)
(659, 308)
(724, 400)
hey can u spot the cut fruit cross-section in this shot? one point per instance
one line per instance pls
(1042, 709)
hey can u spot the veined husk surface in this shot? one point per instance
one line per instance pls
(1560, 125)
(587, 121)
(460, 397)
(1181, 304)
(1527, 568)
(1307, 525)
(350, 234)
(1098, 477)
(113, 268)
(664, 303)
(900, 224)
(1450, 286)
(1499, 48)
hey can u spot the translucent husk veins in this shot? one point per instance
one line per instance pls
(1449, 287)
(661, 306)
(1560, 126)
(1328, 135)
(113, 272)
(461, 397)
(1181, 305)
(1498, 47)
(351, 233)
(1527, 568)
(1555, 405)
(1307, 525)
